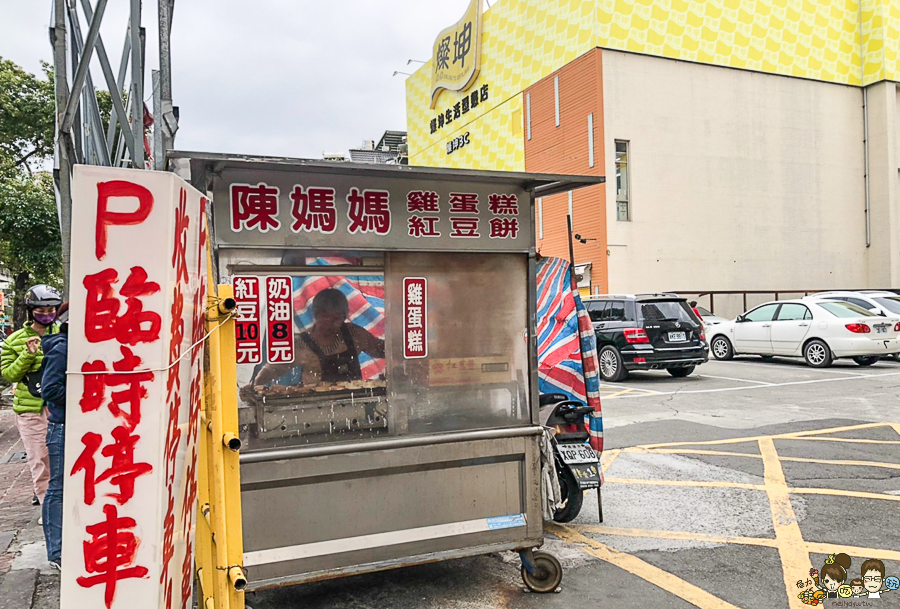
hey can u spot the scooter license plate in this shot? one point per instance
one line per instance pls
(576, 453)
(587, 474)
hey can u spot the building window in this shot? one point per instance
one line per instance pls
(528, 114)
(540, 203)
(556, 96)
(623, 197)
(590, 140)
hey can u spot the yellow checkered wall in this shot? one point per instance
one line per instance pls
(881, 40)
(836, 41)
(495, 142)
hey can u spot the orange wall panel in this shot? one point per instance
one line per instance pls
(565, 149)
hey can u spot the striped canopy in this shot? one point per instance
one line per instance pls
(567, 347)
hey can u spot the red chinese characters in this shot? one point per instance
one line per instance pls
(110, 553)
(102, 319)
(247, 327)
(415, 344)
(369, 211)
(504, 228)
(504, 205)
(313, 210)
(106, 218)
(464, 226)
(423, 226)
(422, 202)
(135, 372)
(463, 203)
(280, 320)
(254, 207)
(108, 462)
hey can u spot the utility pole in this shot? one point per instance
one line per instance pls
(571, 252)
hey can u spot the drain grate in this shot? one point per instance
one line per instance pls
(20, 457)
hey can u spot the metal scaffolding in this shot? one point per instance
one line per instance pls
(80, 134)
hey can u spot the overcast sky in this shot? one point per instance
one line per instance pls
(274, 77)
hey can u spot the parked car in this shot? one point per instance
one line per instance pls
(646, 332)
(816, 329)
(710, 318)
(881, 303)
(877, 301)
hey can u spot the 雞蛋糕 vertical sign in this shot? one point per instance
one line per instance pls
(280, 320)
(136, 329)
(415, 299)
(247, 327)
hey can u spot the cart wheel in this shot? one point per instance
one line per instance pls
(547, 573)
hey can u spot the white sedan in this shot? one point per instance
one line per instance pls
(815, 329)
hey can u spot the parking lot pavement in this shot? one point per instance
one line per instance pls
(722, 490)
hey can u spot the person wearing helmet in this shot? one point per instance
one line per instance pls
(20, 363)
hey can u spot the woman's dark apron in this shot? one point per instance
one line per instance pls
(340, 367)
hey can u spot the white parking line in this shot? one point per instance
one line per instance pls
(728, 378)
(840, 378)
(774, 366)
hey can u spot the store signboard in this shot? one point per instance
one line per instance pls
(136, 328)
(279, 320)
(456, 55)
(247, 326)
(287, 209)
(415, 311)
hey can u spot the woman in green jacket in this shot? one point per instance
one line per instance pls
(20, 363)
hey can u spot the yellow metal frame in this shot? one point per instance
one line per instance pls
(219, 532)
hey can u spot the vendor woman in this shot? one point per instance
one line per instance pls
(329, 351)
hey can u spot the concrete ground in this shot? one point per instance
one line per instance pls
(722, 490)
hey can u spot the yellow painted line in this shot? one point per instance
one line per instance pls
(616, 394)
(847, 440)
(694, 483)
(687, 451)
(839, 493)
(757, 438)
(812, 432)
(896, 427)
(795, 563)
(650, 573)
(755, 487)
(840, 462)
(830, 548)
(607, 461)
(697, 451)
(599, 529)
(617, 387)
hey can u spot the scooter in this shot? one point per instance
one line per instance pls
(577, 465)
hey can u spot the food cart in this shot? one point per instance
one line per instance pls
(387, 363)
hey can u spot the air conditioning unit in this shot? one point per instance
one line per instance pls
(403, 149)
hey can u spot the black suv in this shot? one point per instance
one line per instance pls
(646, 332)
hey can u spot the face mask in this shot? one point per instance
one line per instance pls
(43, 319)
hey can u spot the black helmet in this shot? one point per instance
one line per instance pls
(42, 295)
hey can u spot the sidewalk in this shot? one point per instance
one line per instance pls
(26, 578)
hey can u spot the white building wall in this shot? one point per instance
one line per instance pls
(739, 180)
(884, 185)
